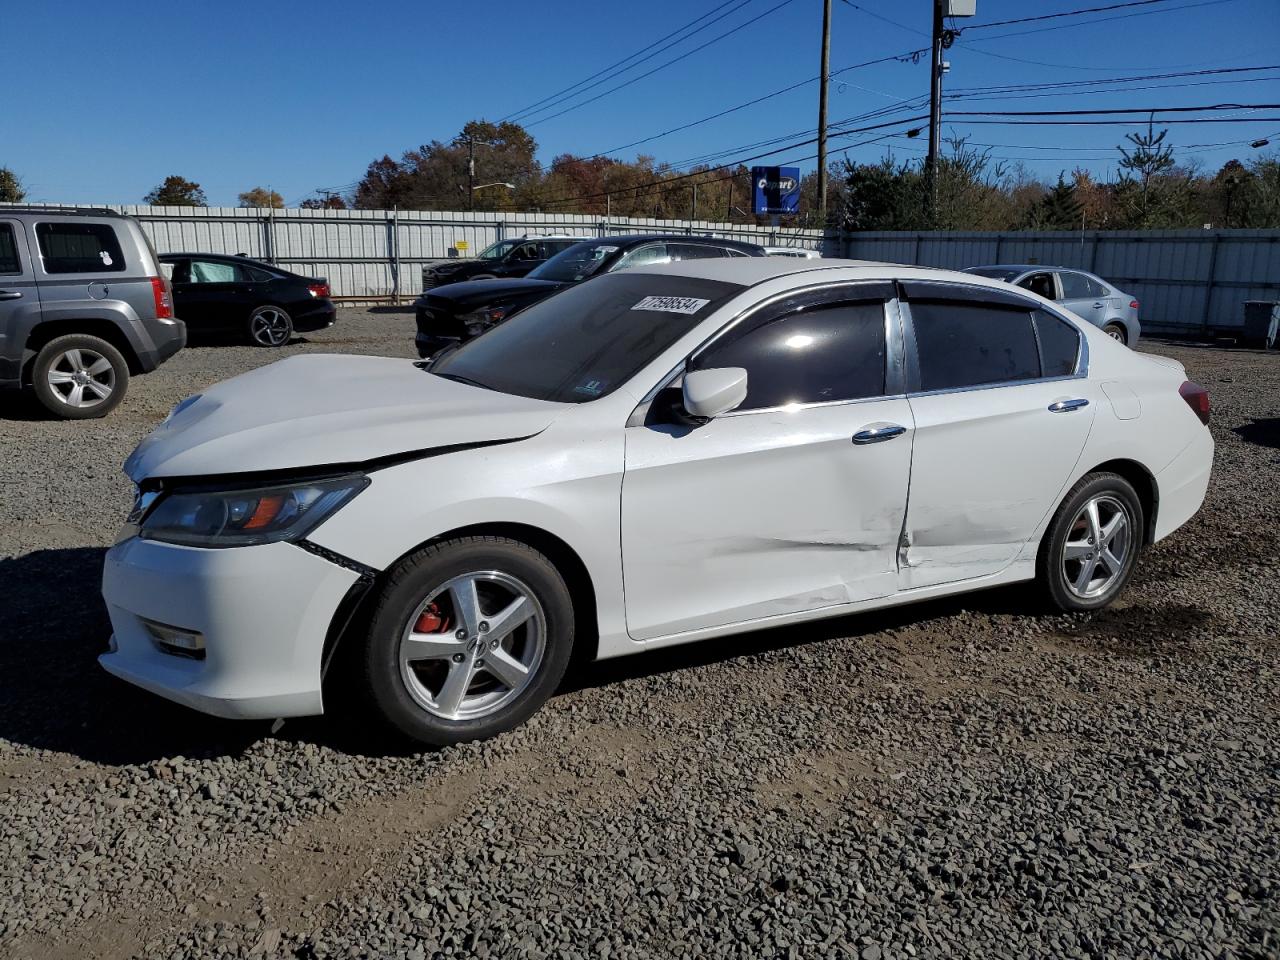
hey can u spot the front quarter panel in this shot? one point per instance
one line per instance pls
(566, 481)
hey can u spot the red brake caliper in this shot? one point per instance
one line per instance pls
(431, 620)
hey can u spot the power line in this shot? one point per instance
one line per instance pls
(614, 66)
(662, 66)
(1067, 13)
(899, 57)
(1086, 23)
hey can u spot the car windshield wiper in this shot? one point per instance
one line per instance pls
(460, 379)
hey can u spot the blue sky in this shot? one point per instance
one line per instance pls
(107, 99)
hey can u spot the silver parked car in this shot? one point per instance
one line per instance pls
(83, 306)
(1088, 296)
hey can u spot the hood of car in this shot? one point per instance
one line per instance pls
(477, 293)
(321, 410)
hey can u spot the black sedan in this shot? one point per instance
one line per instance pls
(506, 258)
(215, 294)
(459, 311)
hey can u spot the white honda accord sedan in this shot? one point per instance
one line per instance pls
(651, 458)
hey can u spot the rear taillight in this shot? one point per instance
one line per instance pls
(1197, 398)
(164, 302)
(318, 289)
(1133, 304)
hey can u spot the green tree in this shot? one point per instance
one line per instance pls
(1059, 209)
(261, 197)
(11, 190)
(177, 191)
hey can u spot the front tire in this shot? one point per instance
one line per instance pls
(468, 639)
(270, 326)
(1092, 543)
(79, 377)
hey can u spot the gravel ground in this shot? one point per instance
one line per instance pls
(961, 778)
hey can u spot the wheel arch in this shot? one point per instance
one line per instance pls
(1143, 483)
(47, 330)
(353, 613)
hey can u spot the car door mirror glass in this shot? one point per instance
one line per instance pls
(710, 393)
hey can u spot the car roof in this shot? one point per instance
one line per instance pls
(231, 257)
(749, 271)
(630, 239)
(55, 211)
(1023, 267)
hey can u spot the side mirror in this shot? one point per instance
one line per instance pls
(709, 393)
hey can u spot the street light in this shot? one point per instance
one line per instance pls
(496, 183)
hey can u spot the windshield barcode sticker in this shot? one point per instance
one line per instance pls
(688, 305)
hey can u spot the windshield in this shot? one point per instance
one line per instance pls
(496, 251)
(995, 273)
(588, 339)
(576, 263)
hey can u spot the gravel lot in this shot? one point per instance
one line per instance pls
(963, 778)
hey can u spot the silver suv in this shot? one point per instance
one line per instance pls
(83, 305)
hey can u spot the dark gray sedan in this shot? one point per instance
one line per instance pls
(1088, 296)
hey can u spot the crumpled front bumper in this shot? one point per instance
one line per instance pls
(263, 613)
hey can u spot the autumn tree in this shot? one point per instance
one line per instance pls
(11, 189)
(326, 200)
(177, 191)
(261, 197)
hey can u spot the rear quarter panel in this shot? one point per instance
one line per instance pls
(1142, 417)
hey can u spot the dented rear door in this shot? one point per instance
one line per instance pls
(1002, 411)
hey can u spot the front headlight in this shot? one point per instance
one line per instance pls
(478, 321)
(247, 516)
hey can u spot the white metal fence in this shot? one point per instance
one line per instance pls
(374, 254)
(1187, 281)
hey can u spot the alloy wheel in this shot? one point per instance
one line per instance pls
(1097, 547)
(82, 378)
(270, 327)
(1115, 333)
(473, 645)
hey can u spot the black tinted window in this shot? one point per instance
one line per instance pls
(260, 275)
(72, 247)
(832, 352)
(968, 344)
(1059, 345)
(587, 340)
(694, 251)
(9, 262)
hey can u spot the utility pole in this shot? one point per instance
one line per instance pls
(935, 109)
(471, 174)
(823, 76)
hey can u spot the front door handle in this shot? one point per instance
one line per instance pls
(878, 434)
(1065, 406)
(10, 294)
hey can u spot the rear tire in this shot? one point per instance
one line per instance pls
(1116, 332)
(79, 377)
(270, 326)
(1092, 544)
(468, 639)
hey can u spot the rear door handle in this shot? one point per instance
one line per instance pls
(1065, 406)
(879, 434)
(1099, 305)
(10, 294)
